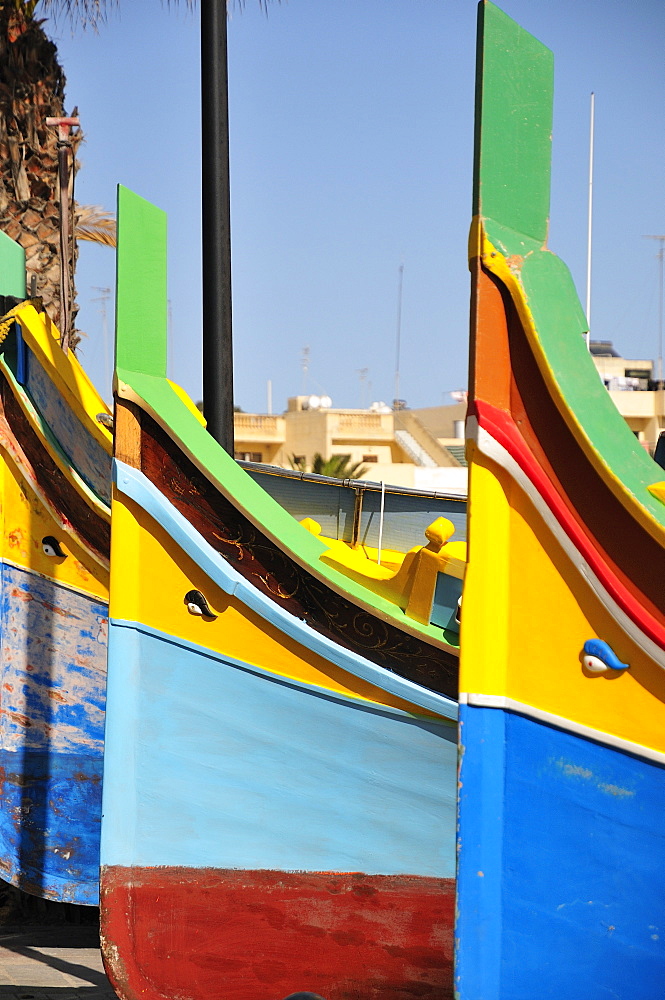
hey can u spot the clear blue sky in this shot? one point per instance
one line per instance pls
(351, 150)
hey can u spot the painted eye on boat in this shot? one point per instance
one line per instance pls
(458, 612)
(52, 547)
(197, 604)
(598, 657)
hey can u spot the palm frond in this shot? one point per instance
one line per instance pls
(338, 466)
(88, 13)
(230, 4)
(92, 13)
(95, 225)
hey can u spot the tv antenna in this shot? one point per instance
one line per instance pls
(103, 298)
(304, 363)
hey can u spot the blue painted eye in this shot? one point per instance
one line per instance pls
(599, 657)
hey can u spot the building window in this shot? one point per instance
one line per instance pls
(248, 456)
(370, 458)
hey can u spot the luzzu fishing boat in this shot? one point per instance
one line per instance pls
(55, 465)
(280, 762)
(562, 681)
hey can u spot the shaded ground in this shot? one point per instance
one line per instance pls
(60, 962)
(49, 951)
(19, 909)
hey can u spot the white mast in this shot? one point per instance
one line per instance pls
(590, 217)
(396, 401)
(661, 257)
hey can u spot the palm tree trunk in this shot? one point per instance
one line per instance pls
(32, 88)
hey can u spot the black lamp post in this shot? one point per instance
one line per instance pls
(216, 226)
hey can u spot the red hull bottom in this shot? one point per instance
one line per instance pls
(195, 933)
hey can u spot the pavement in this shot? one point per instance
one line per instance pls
(52, 963)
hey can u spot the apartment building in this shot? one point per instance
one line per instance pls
(396, 446)
(637, 394)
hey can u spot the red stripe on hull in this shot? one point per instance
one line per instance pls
(261, 935)
(503, 429)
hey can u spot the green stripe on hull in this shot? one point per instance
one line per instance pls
(511, 198)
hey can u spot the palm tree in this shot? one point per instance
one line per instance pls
(32, 88)
(337, 466)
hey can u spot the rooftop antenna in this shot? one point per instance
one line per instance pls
(363, 373)
(661, 257)
(169, 339)
(305, 368)
(400, 282)
(588, 247)
(102, 298)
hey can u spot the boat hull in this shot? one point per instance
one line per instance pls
(53, 650)
(54, 539)
(280, 769)
(305, 839)
(569, 849)
(562, 686)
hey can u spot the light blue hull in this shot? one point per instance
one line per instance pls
(234, 767)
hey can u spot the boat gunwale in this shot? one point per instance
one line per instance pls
(52, 445)
(353, 484)
(327, 575)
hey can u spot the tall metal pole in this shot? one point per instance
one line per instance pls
(398, 337)
(588, 248)
(216, 226)
(661, 257)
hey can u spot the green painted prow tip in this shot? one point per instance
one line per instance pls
(12, 267)
(514, 100)
(141, 289)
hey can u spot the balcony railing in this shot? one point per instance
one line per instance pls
(254, 427)
(371, 425)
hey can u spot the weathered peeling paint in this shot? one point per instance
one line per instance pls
(578, 771)
(269, 934)
(91, 461)
(52, 699)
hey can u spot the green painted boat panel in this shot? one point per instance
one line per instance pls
(141, 308)
(12, 267)
(512, 177)
(555, 307)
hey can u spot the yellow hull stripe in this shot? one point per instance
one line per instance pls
(545, 655)
(150, 589)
